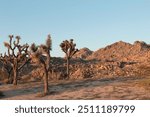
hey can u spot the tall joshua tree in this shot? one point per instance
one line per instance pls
(16, 55)
(68, 47)
(41, 55)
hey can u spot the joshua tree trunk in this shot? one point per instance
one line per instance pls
(67, 68)
(15, 73)
(9, 77)
(10, 80)
(15, 77)
(48, 61)
(46, 89)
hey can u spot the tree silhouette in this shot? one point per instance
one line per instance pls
(41, 55)
(16, 56)
(68, 47)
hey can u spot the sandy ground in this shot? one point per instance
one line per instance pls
(120, 88)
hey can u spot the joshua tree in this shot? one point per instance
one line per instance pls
(17, 56)
(41, 55)
(68, 47)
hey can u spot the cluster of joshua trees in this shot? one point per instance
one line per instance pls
(17, 56)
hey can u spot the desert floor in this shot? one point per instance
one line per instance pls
(119, 88)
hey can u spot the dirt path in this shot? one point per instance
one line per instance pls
(122, 88)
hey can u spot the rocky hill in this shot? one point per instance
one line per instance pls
(120, 59)
(119, 51)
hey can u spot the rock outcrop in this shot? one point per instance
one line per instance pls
(83, 53)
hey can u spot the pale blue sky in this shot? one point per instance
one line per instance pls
(91, 23)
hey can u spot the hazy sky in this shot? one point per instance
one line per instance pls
(91, 23)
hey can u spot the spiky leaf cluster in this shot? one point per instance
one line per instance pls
(49, 42)
(33, 47)
(15, 50)
(69, 48)
(38, 51)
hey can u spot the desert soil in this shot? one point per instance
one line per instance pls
(119, 88)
